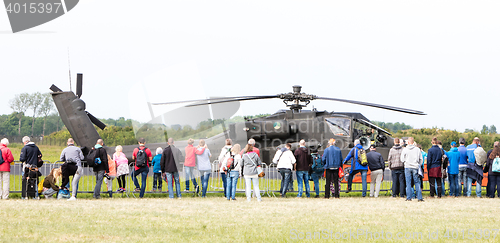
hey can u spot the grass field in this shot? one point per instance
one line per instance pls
(272, 220)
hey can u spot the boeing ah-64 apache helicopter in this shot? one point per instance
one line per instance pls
(285, 126)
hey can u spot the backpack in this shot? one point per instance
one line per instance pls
(230, 163)
(93, 158)
(480, 155)
(318, 165)
(141, 158)
(63, 194)
(495, 166)
(1, 157)
(363, 161)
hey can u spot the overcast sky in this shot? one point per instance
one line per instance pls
(440, 57)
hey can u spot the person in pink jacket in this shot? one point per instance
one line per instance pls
(7, 158)
(122, 168)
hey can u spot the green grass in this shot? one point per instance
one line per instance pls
(219, 220)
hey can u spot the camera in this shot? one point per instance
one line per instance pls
(107, 176)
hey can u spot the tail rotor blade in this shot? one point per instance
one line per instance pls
(79, 80)
(96, 121)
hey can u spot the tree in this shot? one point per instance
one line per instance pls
(468, 130)
(20, 104)
(45, 109)
(36, 100)
(484, 130)
(493, 129)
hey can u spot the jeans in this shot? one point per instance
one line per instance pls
(99, 176)
(189, 175)
(433, 181)
(144, 176)
(49, 193)
(286, 174)
(175, 175)
(462, 178)
(248, 192)
(205, 176)
(315, 178)
(443, 192)
(409, 174)
(376, 181)
(4, 186)
(363, 178)
(469, 187)
(494, 184)
(224, 182)
(157, 181)
(303, 176)
(398, 183)
(454, 189)
(332, 176)
(232, 181)
(76, 179)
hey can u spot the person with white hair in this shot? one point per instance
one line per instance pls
(412, 159)
(356, 166)
(72, 157)
(29, 156)
(5, 159)
(190, 165)
(122, 168)
(157, 181)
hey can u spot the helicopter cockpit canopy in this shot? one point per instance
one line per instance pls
(340, 126)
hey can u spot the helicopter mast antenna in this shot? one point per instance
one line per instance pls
(69, 70)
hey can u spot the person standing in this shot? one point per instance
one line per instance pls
(434, 161)
(100, 169)
(225, 153)
(204, 166)
(397, 169)
(317, 169)
(72, 157)
(303, 164)
(190, 164)
(462, 167)
(332, 157)
(377, 166)
(29, 156)
(493, 177)
(157, 181)
(473, 170)
(285, 160)
(6, 158)
(250, 163)
(122, 168)
(453, 161)
(233, 174)
(356, 167)
(170, 160)
(142, 157)
(412, 159)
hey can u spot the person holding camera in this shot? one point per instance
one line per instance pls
(72, 157)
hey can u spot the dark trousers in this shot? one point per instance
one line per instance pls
(68, 169)
(433, 181)
(121, 181)
(157, 181)
(332, 175)
(286, 175)
(398, 183)
(494, 184)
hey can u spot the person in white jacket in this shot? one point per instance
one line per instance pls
(284, 159)
(225, 153)
(412, 159)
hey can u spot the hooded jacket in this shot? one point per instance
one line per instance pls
(30, 154)
(101, 152)
(411, 157)
(304, 159)
(453, 160)
(353, 154)
(395, 162)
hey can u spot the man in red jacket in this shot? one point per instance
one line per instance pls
(7, 158)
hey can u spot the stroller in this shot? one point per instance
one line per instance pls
(31, 183)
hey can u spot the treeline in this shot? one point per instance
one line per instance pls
(392, 127)
(9, 125)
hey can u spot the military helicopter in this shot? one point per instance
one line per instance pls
(285, 126)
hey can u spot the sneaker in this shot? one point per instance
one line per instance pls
(186, 190)
(317, 196)
(72, 199)
(420, 200)
(119, 190)
(154, 190)
(137, 190)
(408, 200)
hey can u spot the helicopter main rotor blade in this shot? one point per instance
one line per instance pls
(205, 100)
(392, 108)
(210, 102)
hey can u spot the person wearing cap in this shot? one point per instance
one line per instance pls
(453, 161)
(472, 161)
(332, 157)
(462, 167)
(377, 166)
(397, 169)
(356, 167)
